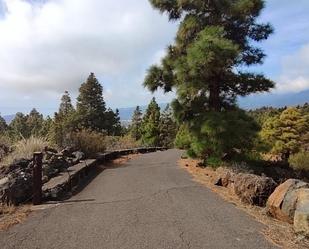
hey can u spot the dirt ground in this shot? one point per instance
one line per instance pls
(11, 215)
(278, 232)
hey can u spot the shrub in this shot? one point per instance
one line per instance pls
(89, 142)
(25, 149)
(119, 143)
(300, 161)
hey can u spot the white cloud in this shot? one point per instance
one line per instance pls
(295, 72)
(51, 47)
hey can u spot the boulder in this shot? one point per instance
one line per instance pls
(301, 216)
(253, 189)
(282, 202)
(78, 156)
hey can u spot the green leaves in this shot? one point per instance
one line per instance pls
(284, 131)
(150, 125)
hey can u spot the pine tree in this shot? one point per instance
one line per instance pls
(46, 127)
(150, 125)
(112, 122)
(284, 132)
(66, 107)
(19, 126)
(3, 125)
(90, 105)
(204, 65)
(168, 128)
(64, 122)
(135, 127)
(35, 122)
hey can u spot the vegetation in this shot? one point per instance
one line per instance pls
(136, 123)
(300, 161)
(283, 132)
(25, 148)
(150, 125)
(204, 66)
(88, 141)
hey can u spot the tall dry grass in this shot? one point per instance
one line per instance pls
(25, 149)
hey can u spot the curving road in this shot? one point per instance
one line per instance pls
(148, 203)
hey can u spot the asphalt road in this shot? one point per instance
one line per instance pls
(148, 203)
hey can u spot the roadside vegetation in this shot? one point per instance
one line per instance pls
(208, 68)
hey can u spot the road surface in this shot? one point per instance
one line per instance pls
(150, 202)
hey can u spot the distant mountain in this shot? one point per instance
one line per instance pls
(126, 113)
(274, 100)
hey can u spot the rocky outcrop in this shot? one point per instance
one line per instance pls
(301, 216)
(253, 189)
(282, 202)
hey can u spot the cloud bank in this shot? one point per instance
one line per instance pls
(47, 47)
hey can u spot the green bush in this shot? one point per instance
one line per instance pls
(300, 161)
(214, 162)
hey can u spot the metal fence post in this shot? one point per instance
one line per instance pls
(37, 178)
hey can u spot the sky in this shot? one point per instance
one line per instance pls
(50, 46)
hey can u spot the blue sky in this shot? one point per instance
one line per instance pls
(48, 47)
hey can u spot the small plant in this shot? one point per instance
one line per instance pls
(214, 162)
(300, 161)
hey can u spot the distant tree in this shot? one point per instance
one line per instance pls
(214, 43)
(284, 132)
(46, 127)
(35, 122)
(90, 105)
(136, 124)
(168, 128)
(112, 123)
(19, 127)
(66, 107)
(64, 122)
(150, 125)
(3, 125)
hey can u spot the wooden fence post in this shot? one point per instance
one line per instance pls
(37, 178)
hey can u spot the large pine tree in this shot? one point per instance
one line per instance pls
(207, 65)
(91, 105)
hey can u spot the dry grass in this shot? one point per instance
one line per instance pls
(277, 232)
(25, 149)
(11, 215)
